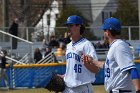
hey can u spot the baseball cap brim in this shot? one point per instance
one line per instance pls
(67, 23)
(102, 27)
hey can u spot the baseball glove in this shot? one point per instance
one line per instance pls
(56, 84)
(138, 91)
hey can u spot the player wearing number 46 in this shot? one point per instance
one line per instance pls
(78, 78)
(121, 75)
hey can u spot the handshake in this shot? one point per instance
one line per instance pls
(86, 59)
(90, 63)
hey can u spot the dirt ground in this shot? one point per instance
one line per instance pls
(96, 88)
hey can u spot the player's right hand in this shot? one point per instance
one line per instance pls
(86, 59)
(89, 63)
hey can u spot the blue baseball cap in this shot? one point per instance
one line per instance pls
(74, 19)
(111, 24)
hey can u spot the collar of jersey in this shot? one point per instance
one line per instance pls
(113, 42)
(81, 39)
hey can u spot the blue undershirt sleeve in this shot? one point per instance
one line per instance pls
(134, 73)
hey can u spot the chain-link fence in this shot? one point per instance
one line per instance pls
(92, 33)
(37, 34)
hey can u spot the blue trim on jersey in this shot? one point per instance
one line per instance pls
(134, 73)
(103, 66)
(112, 43)
(127, 68)
(81, 39)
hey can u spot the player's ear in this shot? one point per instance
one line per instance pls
(108, 32)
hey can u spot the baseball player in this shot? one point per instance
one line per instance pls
(78, 78)
(121, 75)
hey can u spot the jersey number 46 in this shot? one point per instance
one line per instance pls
(78, 68)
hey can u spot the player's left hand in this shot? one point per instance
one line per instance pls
(62, 76)
(138, 91)
(56, 84)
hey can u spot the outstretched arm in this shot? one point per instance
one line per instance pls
(91, 64)
(136, 83)
(91, 67)
(135, 79)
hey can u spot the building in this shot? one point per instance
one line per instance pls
(95, 11)
(48, 21)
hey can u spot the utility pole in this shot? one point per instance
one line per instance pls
(5, 16)
(48, 22)
(139, 16)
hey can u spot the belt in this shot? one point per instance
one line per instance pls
(121, 91)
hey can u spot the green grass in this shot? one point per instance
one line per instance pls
(96, 89)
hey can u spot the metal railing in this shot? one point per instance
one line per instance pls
(14, 60)
(25, 59)
(37, 33)
(9, 43)
(48, 58)
(27, 31)
(15, 37)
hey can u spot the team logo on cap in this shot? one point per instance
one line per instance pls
(68, 19)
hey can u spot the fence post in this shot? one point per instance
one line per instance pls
(139, 31)
(27, 35)
(11, 76)
(129, 32)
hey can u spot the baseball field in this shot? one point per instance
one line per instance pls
(96, 88)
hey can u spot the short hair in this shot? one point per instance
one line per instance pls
(114, 33)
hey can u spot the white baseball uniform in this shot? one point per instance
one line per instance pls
(119, 60)
(77, 75)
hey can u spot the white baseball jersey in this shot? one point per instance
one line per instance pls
(119, 60)
(76, 73)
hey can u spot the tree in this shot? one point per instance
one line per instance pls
(65, 13)
(127, 12)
